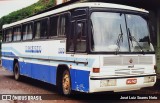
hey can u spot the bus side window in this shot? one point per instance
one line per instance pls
(53, 26)
(17, 34)
(8, 34)
(37, 30)
(25, 27)
(63, 26)
(27, 31)
(30, 32)
(80, 37)
(70, 39)
(43, 27)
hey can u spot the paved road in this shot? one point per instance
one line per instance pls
(30, 86)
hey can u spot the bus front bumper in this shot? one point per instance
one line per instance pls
(120, 84)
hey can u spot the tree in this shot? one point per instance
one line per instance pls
(26, 12)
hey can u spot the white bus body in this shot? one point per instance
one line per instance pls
(46, 59)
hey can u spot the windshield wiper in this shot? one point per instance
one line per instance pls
(120, 38)
(133, 38)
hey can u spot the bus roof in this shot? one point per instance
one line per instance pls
(76, 5)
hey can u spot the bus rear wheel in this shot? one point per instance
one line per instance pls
(66, 83)
(16, 71)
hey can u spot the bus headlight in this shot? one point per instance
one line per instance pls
(149, 79)
(109, 82)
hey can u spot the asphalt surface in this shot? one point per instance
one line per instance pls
(27, 86)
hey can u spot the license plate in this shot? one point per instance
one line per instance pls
(131, 81)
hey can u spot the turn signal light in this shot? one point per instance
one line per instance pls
(96, 70)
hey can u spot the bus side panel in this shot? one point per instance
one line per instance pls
(73, 79)
(41, 72)
(53, 74)
(7, 64)
(25, 69)
(44, 72)
(4, 63)
(80, 80)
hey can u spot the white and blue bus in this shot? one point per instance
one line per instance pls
(87, 47)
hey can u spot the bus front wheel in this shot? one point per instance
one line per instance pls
(66, 83)
(16, 71)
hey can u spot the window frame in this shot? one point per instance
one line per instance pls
(11, 28)
(49, 34)
(47, 29)
(59, 15)
(22, 28)
(83, 15)
(69, 39)
(17, 26)
(66, 32)
(94, 9)
(85, 37)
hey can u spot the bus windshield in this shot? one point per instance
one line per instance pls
(117, 32)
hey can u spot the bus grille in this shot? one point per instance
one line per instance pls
(129, 71)
(127, 60)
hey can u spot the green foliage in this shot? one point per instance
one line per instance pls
(26, 12)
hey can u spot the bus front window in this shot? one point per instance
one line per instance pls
(106, 27)
(138, 29)
(110, 33)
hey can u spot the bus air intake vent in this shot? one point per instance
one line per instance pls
(127, 60)
(112, 61)
(129, 71)
(146, 60)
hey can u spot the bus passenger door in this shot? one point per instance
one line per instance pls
(82, 74)
(80, 42)
(81, 57)
(77, 51)
(76, 42)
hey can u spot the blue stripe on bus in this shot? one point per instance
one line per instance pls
(11, 49)
(8, 53)
(46, 73)
(90, 60)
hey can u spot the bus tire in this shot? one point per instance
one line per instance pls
(16, 71)
(66, 83)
